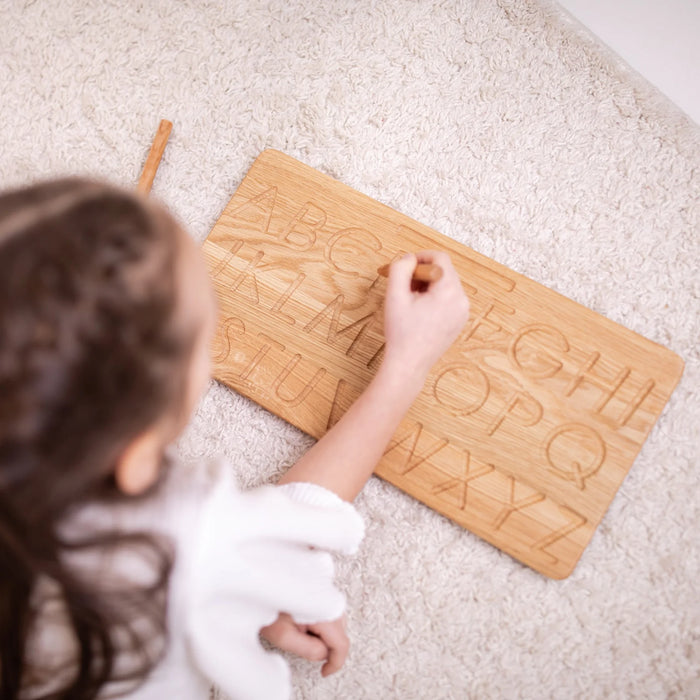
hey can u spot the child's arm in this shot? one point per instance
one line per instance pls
(418, 327)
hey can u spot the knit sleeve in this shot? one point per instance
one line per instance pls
(259, 553)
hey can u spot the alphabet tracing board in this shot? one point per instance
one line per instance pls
(525, 428)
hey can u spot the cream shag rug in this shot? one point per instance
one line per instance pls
(502, 124)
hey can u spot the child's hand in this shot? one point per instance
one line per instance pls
(419, 326)
(324, 641)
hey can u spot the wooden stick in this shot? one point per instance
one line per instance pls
(424, 272)
(154, 156)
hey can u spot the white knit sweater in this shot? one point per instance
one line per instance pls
(241, 559)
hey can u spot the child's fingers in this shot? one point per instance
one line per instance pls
(400, 273)
(337, 642)
(442, 260)
(285, 634)
(425, 257)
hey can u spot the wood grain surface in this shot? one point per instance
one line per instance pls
(524, 430)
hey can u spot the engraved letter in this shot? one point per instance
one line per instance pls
(462, 388)
(277, 308)
(269, 343)
(377, 357)
(347, 250)
(305, 391)
(607, 386)
(224, 335)
(300, 233)
(513, 506)
(468, 475)
(536, 362)
(333, 310)
(253, 216)
(533, 411)
(249, 275)
(636, 402)
(574, 452)
(223, 264)
(409, 464)
(575, 522)
(483, 320)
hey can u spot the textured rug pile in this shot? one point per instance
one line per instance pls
(502, 124)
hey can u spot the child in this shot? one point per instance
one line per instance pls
(118, 573)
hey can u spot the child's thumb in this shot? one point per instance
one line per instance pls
(400, 274)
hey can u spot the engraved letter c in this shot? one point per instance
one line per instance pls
(354, 251)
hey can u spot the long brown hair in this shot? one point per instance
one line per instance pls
(89, 358)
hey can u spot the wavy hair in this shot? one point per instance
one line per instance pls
(88, 353)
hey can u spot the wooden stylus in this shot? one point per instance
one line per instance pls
(154, 155)
(424, 272)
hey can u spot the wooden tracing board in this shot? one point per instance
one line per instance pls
(526, 427)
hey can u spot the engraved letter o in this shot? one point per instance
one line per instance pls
(462, 388)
